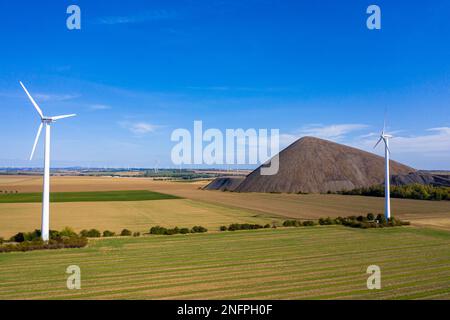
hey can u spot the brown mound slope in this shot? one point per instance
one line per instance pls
(312, 165)
(224, 183)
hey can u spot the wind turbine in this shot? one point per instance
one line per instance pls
(387, 197)
(47, 121)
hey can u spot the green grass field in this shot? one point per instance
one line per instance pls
(327, 262)
(127, 195)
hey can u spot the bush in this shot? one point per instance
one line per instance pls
(93, 233)
(184, 230)
(339, 220)
(267, 226)
(370, 217)
(381, 219)
(309, 223)
(125, 232)
(292, 223)
(165, 231)
(198, 229)
(74, 242)
(326, 221)
(136, 234)
(108, 233)
(244, 226)
(223, 228)
(158, 230)
(2, 240)
(19, 237)
(67, 232)
(379, 222)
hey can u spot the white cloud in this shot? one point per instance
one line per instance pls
(139, 128)
(155, 15)
(45, 97)
(437, 141)
(332, 132)
(99, 107)
(336, 132)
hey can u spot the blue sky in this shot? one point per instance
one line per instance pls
(137, 70)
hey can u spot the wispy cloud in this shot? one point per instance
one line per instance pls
(46, 97)
(99, 107)
(436, 140)
(139, 128)
(335, 132)
(156, 15)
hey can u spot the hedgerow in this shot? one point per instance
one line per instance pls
(167, 231)
(363, 222)
(64, 242)
(411, 191)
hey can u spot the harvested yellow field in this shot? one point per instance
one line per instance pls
(312, 206)
(117, 215)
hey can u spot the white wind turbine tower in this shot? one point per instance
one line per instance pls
(387, 197)
(47, 121)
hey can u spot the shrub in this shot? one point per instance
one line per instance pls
(267, 226)
(158, 230)
(67, 232)
(309, 223)
(223, 228)
(381, 219)
(53, 234)
(370, 217)
(93, 233)
(19, 237)
(125, 232)
(170, 232)
(339, 220)
(184, 230)
(2, 240)
(326, 221)
(292, 223)
(108, 233)
(198, 229)
(74, 242)
(136, 234)
(244, 226)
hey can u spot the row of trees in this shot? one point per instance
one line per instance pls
(243, 226)
(297, 223)
(411, 191)
(8, 192)
(170, 231)
(67, 233)
(94, 233)
(28, 241)
(368, 221)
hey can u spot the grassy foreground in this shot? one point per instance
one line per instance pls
(126, 195)
(326, 262)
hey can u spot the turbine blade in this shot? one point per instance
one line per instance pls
(63, 116)
(36, 140)
(32, 100)
(381, 138)
(389, 150)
